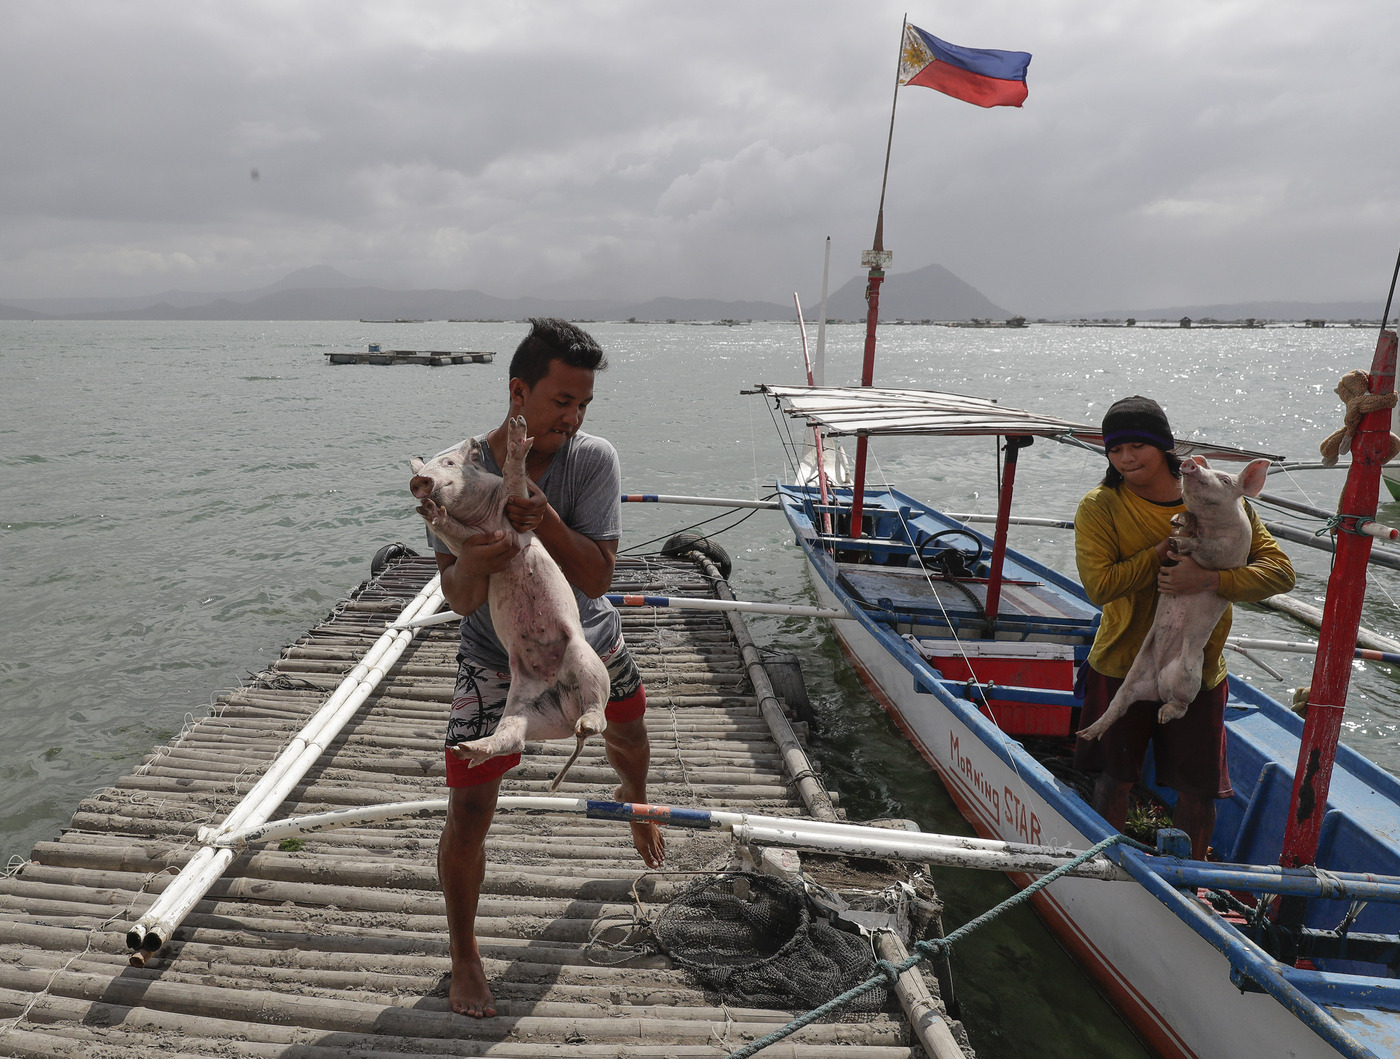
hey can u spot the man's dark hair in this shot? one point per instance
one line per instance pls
(1113, 478)
(554, 339)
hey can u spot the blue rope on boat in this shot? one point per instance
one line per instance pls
(938, 947)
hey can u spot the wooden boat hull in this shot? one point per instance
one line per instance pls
(1159, 954)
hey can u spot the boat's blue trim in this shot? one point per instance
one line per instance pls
(1263, 738)
(1273, 879)
(1351, 991)
(1250, 965)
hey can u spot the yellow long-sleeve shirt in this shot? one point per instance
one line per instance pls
(1115, 537)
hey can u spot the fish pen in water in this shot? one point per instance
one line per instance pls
(334, 943)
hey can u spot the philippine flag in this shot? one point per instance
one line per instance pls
(975, 75)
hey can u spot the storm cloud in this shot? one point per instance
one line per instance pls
(1194, 152)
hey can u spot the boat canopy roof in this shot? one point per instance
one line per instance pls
(879, 412)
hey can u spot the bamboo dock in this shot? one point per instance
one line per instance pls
(336, 945)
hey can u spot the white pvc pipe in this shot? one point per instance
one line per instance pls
(698, 501)
(1375, 529)
(305, 825)
(441, 618)
(1016, 520)
(673, 602)
(1295, 647)
(895, 845)
(169, 910)
(333, 715)
(855, 839)
(745, 606)
(207, 865)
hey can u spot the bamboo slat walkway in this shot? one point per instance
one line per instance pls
(339, 948)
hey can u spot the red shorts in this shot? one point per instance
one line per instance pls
(1189, 752)
(481, 696)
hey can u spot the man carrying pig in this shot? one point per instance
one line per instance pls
(574, 511)
(1121, 530)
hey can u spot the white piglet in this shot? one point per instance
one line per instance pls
(1216, 534)
(558, 684)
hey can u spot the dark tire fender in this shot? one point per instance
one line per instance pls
(390, 553)
(681, 543)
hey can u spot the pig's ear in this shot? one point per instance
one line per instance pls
(471, 451)
(416, 464)
(1199, 461)
(1252, 478)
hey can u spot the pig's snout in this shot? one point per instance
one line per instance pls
(421, 486)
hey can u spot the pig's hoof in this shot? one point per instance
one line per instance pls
(517, 442)
(1170, 711)
(474, 753)
(587, 726)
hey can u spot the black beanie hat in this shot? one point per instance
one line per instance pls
(1137, 419)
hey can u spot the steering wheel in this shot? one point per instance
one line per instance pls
(968, 556)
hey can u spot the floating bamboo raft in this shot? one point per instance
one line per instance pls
(338, 947)
(433, 358)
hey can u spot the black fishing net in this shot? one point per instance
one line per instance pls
(752, 939)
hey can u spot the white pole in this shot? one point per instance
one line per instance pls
(907, 845)
(699, 501)
(856, 839)
(207, 865)
(819, 365)
(673, 602)
(1017, 520)
(169, 910)
(298, 756)
(306, 825)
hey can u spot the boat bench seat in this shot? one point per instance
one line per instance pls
(1033, 606)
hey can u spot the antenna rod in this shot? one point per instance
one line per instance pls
(1385, 316)
(875, 259)
(889, 143)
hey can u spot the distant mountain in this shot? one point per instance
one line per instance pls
(322, 293)
(317, 277)
(928, 293)
(10, 312)
(161, 306)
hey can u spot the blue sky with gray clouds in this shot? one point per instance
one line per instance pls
(1194, 152)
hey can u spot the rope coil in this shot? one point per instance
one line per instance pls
(931, 949)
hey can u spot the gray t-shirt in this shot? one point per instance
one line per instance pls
(584, 486)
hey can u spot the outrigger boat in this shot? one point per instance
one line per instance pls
(1285, 946)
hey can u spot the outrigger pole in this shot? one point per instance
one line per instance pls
(1346, 590)
(875, 259)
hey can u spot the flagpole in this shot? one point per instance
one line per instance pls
(875, 259)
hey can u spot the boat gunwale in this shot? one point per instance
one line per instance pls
(1303, 994)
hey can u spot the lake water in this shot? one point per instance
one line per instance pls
(180, 500)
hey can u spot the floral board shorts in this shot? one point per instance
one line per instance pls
(479, 699)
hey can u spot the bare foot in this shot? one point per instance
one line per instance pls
(647, 837)
(469, 993)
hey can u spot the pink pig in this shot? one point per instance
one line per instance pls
(558, 684)
(1216, 533)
